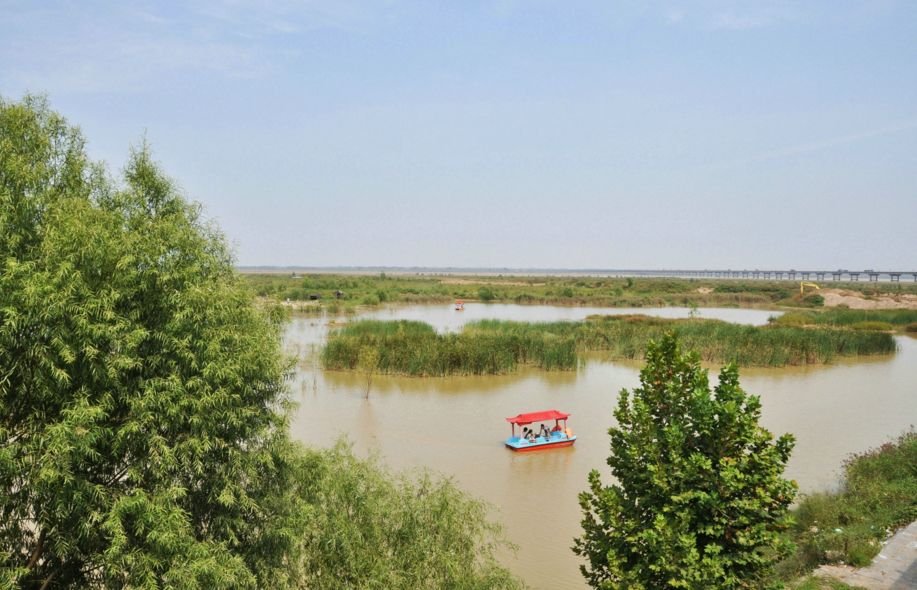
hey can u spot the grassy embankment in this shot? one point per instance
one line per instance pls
(886, 320)
(370, 290)
(494, 346)
(878, 495)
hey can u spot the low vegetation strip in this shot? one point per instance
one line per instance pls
(858, 319)
(313, 293)
(878, 495)
(496, 346)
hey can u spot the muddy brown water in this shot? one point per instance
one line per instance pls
(455, 425)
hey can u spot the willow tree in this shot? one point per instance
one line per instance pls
(142, 434)
(143, 404)
(698, 500)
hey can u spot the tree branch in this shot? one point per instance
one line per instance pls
(39, 549)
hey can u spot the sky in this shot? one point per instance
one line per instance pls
(541, 134)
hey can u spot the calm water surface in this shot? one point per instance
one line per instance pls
(456, 426)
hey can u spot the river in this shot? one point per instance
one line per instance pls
(456, 426)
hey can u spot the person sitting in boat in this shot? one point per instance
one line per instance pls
(543, 431)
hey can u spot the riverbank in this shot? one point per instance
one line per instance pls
(343, 293)
(894, 568)
(851, 526)
(491, 347)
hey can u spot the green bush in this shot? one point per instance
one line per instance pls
(372, 528)
(486, 294)
(814, 300)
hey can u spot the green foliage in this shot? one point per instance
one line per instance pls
(375, 529)
(699, 501)
(486, 294)
(820, 583)
(630, 292)
(143, 406)
(873, 325)
(414, 348)
(142, 423)
(496, 346)
(814, 300)
(879, 494)
(841, 317)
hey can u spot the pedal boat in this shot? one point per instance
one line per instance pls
(560, 435)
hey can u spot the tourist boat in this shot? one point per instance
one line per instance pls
(558, 436)
(459, 305)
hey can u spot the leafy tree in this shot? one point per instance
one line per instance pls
(143, 402)
(143, 433)
(699, 501)
(380, 530)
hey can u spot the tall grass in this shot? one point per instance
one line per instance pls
(841, 317)
(497, 346)
(414, 348)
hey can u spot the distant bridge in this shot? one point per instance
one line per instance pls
(893, 276)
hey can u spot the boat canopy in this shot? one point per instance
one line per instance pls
(523, 419)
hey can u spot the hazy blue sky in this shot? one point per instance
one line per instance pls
(548, 134)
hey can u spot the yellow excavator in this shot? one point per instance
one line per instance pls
(804, 284)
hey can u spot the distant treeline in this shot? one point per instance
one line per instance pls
(496, 346)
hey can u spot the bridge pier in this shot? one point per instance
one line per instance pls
(805, 276)
(854, 276)
(835, 276)
(820, 276)
(874, 277)
(895, 277)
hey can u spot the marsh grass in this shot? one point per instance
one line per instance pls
(414, 348)
(861, 319)
(497, 346)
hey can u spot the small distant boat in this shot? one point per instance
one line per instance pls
(528, 440)
(459, 305)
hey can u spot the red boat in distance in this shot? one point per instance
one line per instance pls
(545, 438)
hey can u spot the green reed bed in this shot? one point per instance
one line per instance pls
(497, 346)
(717, 341)
(415, 348)
(860, 319)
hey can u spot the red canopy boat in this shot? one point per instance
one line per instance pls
(558, 436)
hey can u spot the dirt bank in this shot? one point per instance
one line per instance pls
(857, 300)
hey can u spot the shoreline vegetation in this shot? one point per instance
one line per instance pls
(878, 495)
(330, 293)
(495, 346)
